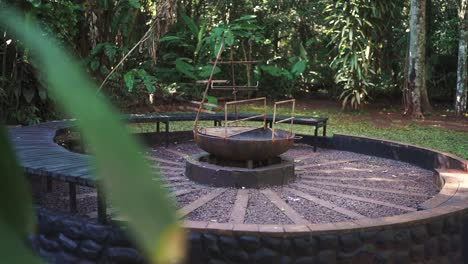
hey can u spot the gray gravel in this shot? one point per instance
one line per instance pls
(403, 200)
(186, 199)
(314, 213)
(363, 208)
(261, 210)
(329, 165)
(217, 210)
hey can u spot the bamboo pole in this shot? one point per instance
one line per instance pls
(208, 84)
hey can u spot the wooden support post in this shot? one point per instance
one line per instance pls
(250, 164)
(157, 126)
(166, 134)
(101, 206)
(315, 138)
(49, 184)
(72, 196)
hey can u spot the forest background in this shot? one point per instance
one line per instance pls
(354, 51)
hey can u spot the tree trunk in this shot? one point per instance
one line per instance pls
(425, 103)
(416, 58)
(461, 90)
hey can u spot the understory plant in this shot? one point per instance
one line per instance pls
(23, 98)
(354, 28)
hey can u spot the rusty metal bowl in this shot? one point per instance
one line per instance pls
(243, 143)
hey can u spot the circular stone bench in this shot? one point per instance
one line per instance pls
(438, 233)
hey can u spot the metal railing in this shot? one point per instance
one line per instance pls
(293, 101)
(237, 87)
(208, 84)
(236, 120)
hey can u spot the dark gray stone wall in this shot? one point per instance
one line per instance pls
(63, 238)
(201, 171)
(415, 155)
(435, 242)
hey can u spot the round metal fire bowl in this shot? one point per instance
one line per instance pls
(253, 144)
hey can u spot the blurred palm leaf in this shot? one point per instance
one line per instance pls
(16, 212)
(122, 171)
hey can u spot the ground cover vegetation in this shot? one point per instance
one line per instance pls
(433, 137)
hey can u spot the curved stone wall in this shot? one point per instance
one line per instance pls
(65, 238)
(436, 241)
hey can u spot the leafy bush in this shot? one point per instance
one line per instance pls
(354, 27)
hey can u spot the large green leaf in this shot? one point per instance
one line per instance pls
(205, 71)
(190, 24)
(276, 71)
(110, 51)
(15, 199)
(129, 79)
(302, 52)
(211, 100)
(299, 67)
(12, 246)
(122, 171)
(147, 80)
(35, 3)
(183, 67)
(95, 65)
(228, 37)
(170, 38)
(200, 36)
(134, 3)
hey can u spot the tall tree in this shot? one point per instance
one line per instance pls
(416, 57)
(425, 103)
(461, 90)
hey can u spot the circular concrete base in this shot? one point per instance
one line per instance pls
(201, 171)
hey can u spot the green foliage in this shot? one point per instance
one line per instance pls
(211, 100)
(192, 45)
(16, 201)
(12, 246)
(442, 48)
(183, 66)
(139, 76)
(288, 78)
(299, 67)
(190, 24)
(353, 27)
(356, 49)
(276, 71)
(24, 100)
(153, 225)
(59, 19)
